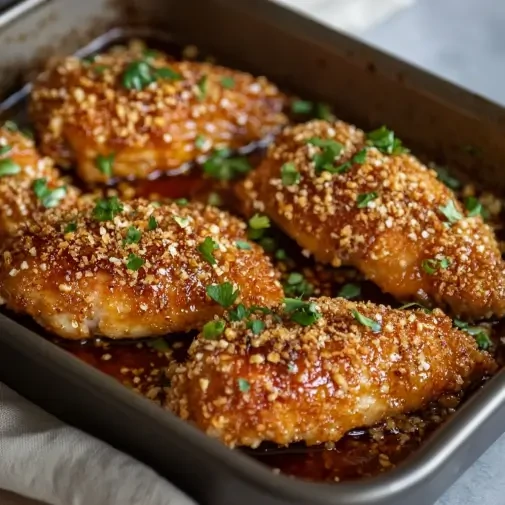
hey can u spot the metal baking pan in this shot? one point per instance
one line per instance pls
(366, 87)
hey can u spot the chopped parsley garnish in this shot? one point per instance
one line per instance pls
(446, 178)
(473, 206)
(214, 199)
(269, 244)
(292, 368)
(450, 212)
(350, 291)
(242, 244)
(206, 249)
(160, 345)
(9, 167)
(139, 74)
(238, 313)
(107, 208)
(152, 224)
(280, 254)
(480, 334)
(181, 221)
(181, 202)
(365, 321)
(415, 305)
(289, 174)
(5, 150)
(365, 198)
(224, 294)
(431, 265)
(48, 197)
(256, 326)
(303, 313)
(150, 54)
(134, 262)
(202, 87)
(301, 107)
(323, 111)
(220, 166)
(132, 235)
(243, 385)
(257, 226)
(358, 158)
(331, 149)
(200, 142)
(104, 163)
(70, 228)
(11, 126)
(297, 285)
(228, 82)
(99, 69)
(213, 329)
(386, 141)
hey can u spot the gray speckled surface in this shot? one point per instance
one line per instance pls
(464, 41)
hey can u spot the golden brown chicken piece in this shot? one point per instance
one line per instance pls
(355, 365)
(125, 115)
(132, 270)
(28, 182)
(348, 201)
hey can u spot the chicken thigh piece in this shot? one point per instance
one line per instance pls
(126, 114)
(322, 368)
(130, 270)
(28, 182)
(362, 200)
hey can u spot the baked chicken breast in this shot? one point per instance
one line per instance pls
(130, 270)
(317, 369)
(355, 199)
(128, 114)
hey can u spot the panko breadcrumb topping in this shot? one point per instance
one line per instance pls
(148, 112)
(292, 382)
(368, 203)
(127, 270)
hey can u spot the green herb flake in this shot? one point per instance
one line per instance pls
(137, 75)
(181, 221)
(256, 326)
(365, 321)
(9, 167)
(480, 335)
(220, 166)
(228, 82)
(301, 107)
(202, 86)
(242, 244)
(431, 265)
(70, 228)
(281, 255)
(269, 244)
(243, 385)
(134, 262)
(415, 305)
(214, 199)
(450, 212)
(206, 249)
(160, 345)
(292, 367)
(107, 208)
(224, 293)
(213, 329)
(238, 313)
(104, 163)
(99, 69)
(181, 202)
(150, 54)
(323, 111)
(473, 206)
(166, 73)
(386, 141)
(5, 150)
(257, 226)
(446, 178)
(365, 198)
(350, 291)
(132, 235)
(289, 174)
(331, 149)
(200, 142)
(11, 126)
(48, 197)
(297, 285)
(303, 313)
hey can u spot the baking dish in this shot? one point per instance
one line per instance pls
(366, 87)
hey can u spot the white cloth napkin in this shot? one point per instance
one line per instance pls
(348, 15)
(42, 458)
